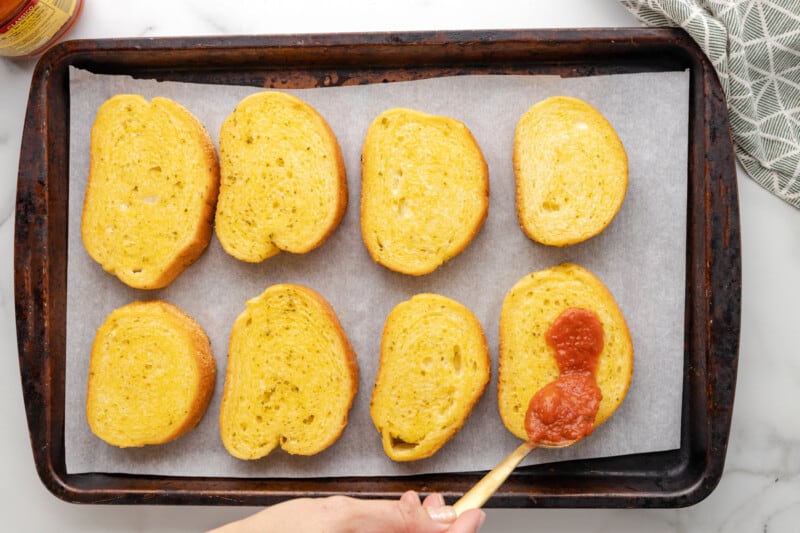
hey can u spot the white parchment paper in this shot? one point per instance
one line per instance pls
(640, 257)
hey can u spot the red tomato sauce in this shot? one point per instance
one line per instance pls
(564, 410)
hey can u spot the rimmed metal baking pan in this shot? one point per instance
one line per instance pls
(713, 272)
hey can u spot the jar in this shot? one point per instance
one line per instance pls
(29, 27)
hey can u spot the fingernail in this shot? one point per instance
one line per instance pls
(482, 520)
(444, 514)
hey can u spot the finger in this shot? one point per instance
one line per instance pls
(433, 505)
(442, 514)
(469, 522)
(437, 510)
(428, 517)
(410, 498)
(405, 515)
(433, 500)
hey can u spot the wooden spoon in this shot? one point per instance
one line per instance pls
(483, 489)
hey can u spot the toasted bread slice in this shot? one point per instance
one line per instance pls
(434, 367)
(153, 183)
(284, 185)
(425, 190)
(527, 363)
(571, 171)
(151, 375)
(291, 376)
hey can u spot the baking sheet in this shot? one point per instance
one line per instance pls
(640, 257)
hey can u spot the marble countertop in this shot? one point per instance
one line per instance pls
(760, 487)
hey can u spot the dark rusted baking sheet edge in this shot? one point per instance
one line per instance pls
(713, 275)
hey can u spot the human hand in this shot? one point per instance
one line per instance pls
(341, 514)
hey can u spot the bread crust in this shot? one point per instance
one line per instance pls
(446, 382)
(102, 372)
(108, 252)
(274, 430)
(399, 234)
(570, 169)
(527, 362)
(274, 235)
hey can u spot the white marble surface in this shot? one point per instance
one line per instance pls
(760, 488)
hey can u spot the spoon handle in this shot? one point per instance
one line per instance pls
(483, 489)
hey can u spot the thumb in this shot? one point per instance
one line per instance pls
(469, 522)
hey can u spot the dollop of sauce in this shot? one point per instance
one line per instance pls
(577, 338)
(564, 410)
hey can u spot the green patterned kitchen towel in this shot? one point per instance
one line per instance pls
(754, 46)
